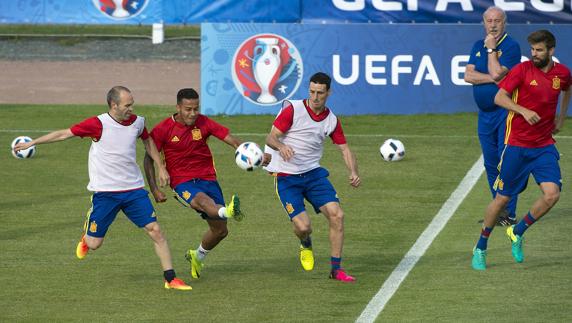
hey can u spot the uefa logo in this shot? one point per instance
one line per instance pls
(120, 9)
(267, 69)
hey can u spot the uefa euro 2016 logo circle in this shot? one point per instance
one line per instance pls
(267, 68)
(120, 9)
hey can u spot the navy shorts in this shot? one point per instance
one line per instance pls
(517, 163)
(188, 190)
(313, 186)
(105, 205)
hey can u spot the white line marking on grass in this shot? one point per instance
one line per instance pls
(25, 130)
(390, 286)
(256, 134)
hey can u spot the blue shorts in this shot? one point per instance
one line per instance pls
(517, 163)
(314, 186)
(188, 190)
(105, 205)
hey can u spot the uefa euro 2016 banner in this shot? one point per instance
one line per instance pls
(306, 11)
(375, 68)
(430, 11)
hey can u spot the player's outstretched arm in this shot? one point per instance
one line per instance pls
(563, 110)
(232, 141)
(351, 164)
(57, 135)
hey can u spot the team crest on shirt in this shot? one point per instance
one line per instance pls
(186, 195)
(478, 54)
(533, 83)
(197, 134)
(93, 226)
(556, 83)
(175, 139)
(289, 208)
(499, 53)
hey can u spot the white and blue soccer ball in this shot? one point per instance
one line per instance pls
(26, 153)
(248, 156)
(392, 150)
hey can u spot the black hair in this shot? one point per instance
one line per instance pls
(321, 78)
(187, 93)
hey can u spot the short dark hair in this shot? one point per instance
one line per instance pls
(321, 78)
(542, 36)
(187, 93)
(114, 94)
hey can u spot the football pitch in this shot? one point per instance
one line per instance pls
(254, 275)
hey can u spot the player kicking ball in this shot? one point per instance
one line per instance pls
(115, 178)
(296, 143)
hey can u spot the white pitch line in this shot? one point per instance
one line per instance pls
(390, 286)
(256, 134)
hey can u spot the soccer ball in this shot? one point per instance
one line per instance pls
(26, 153)
(392, 150)
(248, 156)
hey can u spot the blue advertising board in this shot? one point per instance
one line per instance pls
(307, 11)
(80, 12)
(376, 68)
(430, 11)
(146, 11)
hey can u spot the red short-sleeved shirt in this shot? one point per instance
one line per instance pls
(539, 92)
(185, 148)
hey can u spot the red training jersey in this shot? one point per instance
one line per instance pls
(538, 91)
(185, 148)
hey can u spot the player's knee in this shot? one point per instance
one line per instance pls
(502, 200)
(154, 231)
(551, 197)
(337, 216)
(201, 201)
(221, 233)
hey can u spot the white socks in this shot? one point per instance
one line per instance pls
(222, 212)
(202, 253)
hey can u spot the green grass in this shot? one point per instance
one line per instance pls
(98, 30)
(254, 275)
